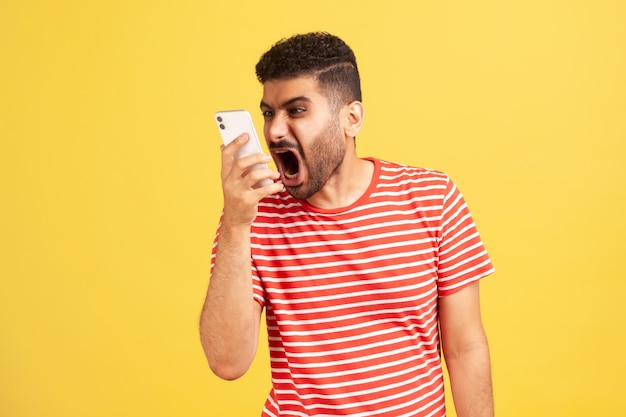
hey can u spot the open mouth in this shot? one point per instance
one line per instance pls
(288, 163)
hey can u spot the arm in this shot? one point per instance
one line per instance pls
(466, 352)
(229, 323)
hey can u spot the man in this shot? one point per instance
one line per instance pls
(363, 266)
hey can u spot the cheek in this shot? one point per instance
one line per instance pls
(307, 131)
(266, 130)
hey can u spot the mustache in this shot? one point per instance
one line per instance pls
(286, 144)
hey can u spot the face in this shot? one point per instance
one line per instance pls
(303, 134)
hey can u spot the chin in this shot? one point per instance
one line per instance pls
(299, 192)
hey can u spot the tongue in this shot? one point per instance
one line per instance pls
(290, 165)
(291, 175)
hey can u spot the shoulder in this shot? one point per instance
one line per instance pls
(395, 175)
(395, 171)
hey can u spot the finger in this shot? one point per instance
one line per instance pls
(242, 167)
(261, 176)
(236, 144)
(229, 153)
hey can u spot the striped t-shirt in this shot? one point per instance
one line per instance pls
(351, 294)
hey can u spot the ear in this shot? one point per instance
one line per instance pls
(353, 118)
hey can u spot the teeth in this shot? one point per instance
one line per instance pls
(291, 176)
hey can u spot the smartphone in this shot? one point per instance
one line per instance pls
(231, 124)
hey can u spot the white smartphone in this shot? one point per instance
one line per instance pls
(231, 124)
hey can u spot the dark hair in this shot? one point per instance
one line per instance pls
(318, 54)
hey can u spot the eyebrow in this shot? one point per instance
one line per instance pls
(288, 102)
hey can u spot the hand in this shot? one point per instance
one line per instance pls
(238, 183)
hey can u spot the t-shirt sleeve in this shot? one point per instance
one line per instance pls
(463, 258)
(257, 287)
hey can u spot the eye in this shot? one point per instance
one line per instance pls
(267, 114)
(296, 111)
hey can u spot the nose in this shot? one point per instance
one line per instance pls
(276, 128)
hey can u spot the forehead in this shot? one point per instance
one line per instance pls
(278, 92)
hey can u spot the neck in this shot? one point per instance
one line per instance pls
(346, 185)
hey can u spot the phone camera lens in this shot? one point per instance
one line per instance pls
(222, 126)
(219, 118)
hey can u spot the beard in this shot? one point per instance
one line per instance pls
(321, 160)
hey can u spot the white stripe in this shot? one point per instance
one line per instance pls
(356, 294)
(353, 273)
(335, 309)
(372, 323)
(461, 263)
(448, 259)
(469, 273)
(353, 229)
(358, 348)
(271, 222)
(361, 336)
(461, 242)
(347, 317)
(344, 242)
(346, 384)
(404, 393)
(358, 261)
(294, 302)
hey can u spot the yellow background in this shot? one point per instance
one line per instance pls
(110, 191)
